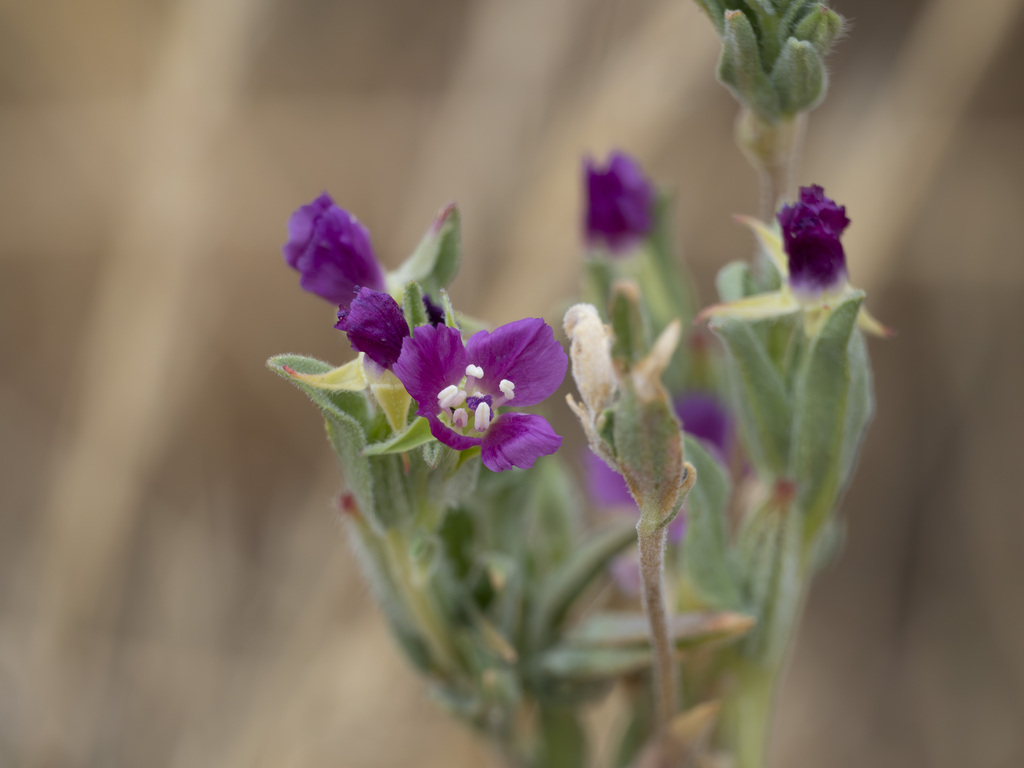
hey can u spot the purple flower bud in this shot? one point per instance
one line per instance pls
(620, 203)
(332, 251)
(435, 314)
(810, 234)
(375, 325)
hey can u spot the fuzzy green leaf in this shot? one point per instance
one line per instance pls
(558, 591)
(741, 71)
(352, 404)
(734, 282)
(705, 548)
(821, 402)
(412, 305)
(761, 402)
(417, 434)
(436, 260)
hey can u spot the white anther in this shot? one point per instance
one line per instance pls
(474, 370)
(446, 393)
(460, 418)
(506, 388)
(482, 419)
(451, 397)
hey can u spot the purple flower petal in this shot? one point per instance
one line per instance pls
(620, 203)
(332, 251)
(518, 440)
(607, 487)
(705, 418)
(431, 359)
(375, 325)
(811, 231)
(524, 352)
(450, 437)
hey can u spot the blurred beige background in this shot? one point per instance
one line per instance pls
(173, 590)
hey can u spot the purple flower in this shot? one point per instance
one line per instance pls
(461, 388)
(620, 203)
(332, 251)
(810, 234)
(375, 325)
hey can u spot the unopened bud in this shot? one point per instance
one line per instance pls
(820, 27)
(799, 77)
(740, 68)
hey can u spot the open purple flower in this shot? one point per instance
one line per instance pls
(620, 203)
(811, 229)
(332, 251)
(375, 325)
(461, 388)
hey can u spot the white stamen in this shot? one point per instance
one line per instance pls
(447, 392)
(474, 370)
(482, 419)
(506, 388)
(451, 396)
(460, 418)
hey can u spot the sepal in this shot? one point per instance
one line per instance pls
(436, 260)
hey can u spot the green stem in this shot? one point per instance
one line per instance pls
(774, 151)
(419, 601)
(651, 543)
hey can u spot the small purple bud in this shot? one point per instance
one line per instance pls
(332, 251)
(375, 325)
(811, 229)
(435, 314)
(620, 203)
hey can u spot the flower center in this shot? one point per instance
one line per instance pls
(482, 405)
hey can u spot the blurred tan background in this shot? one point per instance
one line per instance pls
(173, 590)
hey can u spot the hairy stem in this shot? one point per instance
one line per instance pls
(774, 151)
(651, 542)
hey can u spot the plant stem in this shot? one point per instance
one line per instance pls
(419, 602)
(651, 542)
(774, 151)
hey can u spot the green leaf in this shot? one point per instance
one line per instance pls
(705, 548)
(593, 664)
(450, 318)
(799, 77)
(435, 262)
(352, 404)
(820, 27)
(391, 493)
(348, 440)
(417, 434)
(557, 592)
(740, 68)
(412, 305)
(617, 629)
(630, 323)
(821, 401)
(761, 402)
(734, 282)
(860, 407)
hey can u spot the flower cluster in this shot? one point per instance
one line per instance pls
(463, 390)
